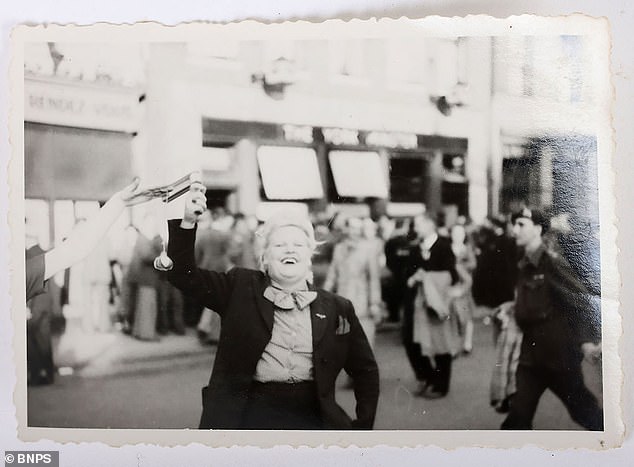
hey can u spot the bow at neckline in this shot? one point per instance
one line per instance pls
(289, 300)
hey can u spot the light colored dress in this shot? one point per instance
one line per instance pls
(463, 305)
(354, 274)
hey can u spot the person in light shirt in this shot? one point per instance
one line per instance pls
(282, 342)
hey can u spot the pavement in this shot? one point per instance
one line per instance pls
(135, 384)
(104, 354)
(107, 354)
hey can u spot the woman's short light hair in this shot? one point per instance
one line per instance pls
(286, 218)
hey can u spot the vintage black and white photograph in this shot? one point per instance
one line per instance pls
(387, 227)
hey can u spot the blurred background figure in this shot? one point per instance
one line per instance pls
(170, 307)
(213, 249)
(462, 301)
(495, 274)
(354, 274)
(397, 251)
(41, 310)
(97, 278)
(372, 233)
(328, 232)
(242, 252)
(507, 355)
(430, 337)
(558, 321)
(144, 281)
(124, 255)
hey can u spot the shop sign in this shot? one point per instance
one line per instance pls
(298, 133)
(341, 136)
(392, 140)
(81, 106)
(222, 130)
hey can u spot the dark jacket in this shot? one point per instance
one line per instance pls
(495, 275)
(554, 311)
(397, 252)
(441, 258)
(247, 323)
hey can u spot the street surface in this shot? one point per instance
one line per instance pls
(169, 397)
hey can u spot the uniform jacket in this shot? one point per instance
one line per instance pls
(554, 311)
(247, 322)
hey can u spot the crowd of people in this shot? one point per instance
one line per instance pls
(419, 274)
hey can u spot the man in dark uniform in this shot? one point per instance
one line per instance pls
(397, 250)
(560, 322)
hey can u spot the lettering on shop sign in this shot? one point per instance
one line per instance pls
(298, 133)
(304, 134)
(78, 106)
(67, 105)
(56, 104)
(341, 136)
(391, 139)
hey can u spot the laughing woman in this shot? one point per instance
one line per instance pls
(282, 342)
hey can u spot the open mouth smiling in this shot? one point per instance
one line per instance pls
(289, 260)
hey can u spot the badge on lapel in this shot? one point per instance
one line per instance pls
(343, 326)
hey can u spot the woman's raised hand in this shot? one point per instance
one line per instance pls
(130, 195)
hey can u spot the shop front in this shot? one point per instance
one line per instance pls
(78, 149)
(324, 169)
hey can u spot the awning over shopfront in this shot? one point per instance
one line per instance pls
(71, 163)
(358, 174)
(289, 173)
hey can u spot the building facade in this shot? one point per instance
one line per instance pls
(467, 126)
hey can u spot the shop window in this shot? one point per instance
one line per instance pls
(289, 173)
(71, 163)
(454, 168)
(407, 179)
(456, 194)
(217, 198)
(358, 174)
